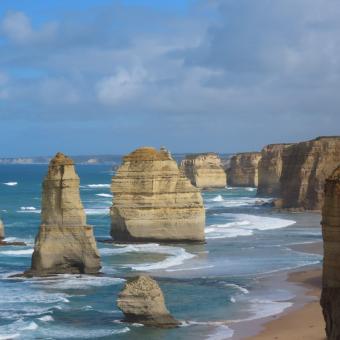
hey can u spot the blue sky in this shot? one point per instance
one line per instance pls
(87, 77)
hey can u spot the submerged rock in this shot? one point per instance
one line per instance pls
(330, 297)
(204, 170)
(270, 169)
(65, 243)
(306, 166)
(243, 169)
(153, 200)
(142, 301)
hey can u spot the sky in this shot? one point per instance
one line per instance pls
(106, 77)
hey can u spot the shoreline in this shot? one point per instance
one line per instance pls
(303, 320)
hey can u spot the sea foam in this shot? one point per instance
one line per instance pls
(245, 225)
(11, 184)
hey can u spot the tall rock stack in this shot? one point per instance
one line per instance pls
(153, 200)
(204, 170)
(270, 169)
(64, 244)
(330, 298)
(306, 166)
(243, 169)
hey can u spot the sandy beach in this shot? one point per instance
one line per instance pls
(303, 323)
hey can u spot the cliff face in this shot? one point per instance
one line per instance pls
(142, 301)
(64, 244)
(204, 171)
(330, 298)
(153, 200)
(243, 169)
(270, 169)
(306, 165)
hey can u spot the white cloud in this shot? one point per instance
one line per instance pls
(18, 28)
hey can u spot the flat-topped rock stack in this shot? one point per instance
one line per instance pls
(2, 231)
(153, 200)
(243, 169)
(204, 170)
(330, 298)
(270, 169)
(65, 243)
(142, 301)
(306, 166)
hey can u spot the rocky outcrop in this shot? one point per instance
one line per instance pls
(243, 169)
(306, 165)
(2, 231)
(142, 301)
(270, 169)
(204, 170)
(153, 200)
(64, 244)
(330, 298)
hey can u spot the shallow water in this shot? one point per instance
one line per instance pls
(206, 286)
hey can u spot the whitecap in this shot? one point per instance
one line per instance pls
(235, 286)
(189, 269)
(11, 184)
(31, 327)
(235, 202)
(28, 208)
(98, 185)
(97, 211)
(177, 255)
(46, 318)
(245, 225)
(22, 252)
(218, 198)
(104, 195)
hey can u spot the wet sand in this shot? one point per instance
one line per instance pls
(305, 322)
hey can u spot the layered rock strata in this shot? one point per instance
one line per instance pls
(330, 297)
(243, 169)
(142, 301)
(65, 243)
(153, 200)
(204, 171)
(306, 165)
(270, 169)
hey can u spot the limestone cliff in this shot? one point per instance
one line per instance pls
(64, 244)
(330, 298)
(243, 169)
(270, 169)
(142, 301)
(306, 165)
(153, 200)
(204, 170)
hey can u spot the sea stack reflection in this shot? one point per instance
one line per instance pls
(153, 200)
(64, 244)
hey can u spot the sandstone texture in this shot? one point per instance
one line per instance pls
(64, 244)
(306, 166)
(142, 301)
(243, 169)
(5, 243)
(204, 171)
(330, 298)
(270, 169)
(153, 200)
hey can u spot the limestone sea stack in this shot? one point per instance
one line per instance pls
(142, 301)
(204, 170)
(65, 243)
(330, 297)
(154, 201)
(306, 166)
(270, 169)
(243, 169)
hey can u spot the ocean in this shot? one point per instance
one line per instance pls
(209, 287)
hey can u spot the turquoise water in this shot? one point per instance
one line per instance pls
(206, 286)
